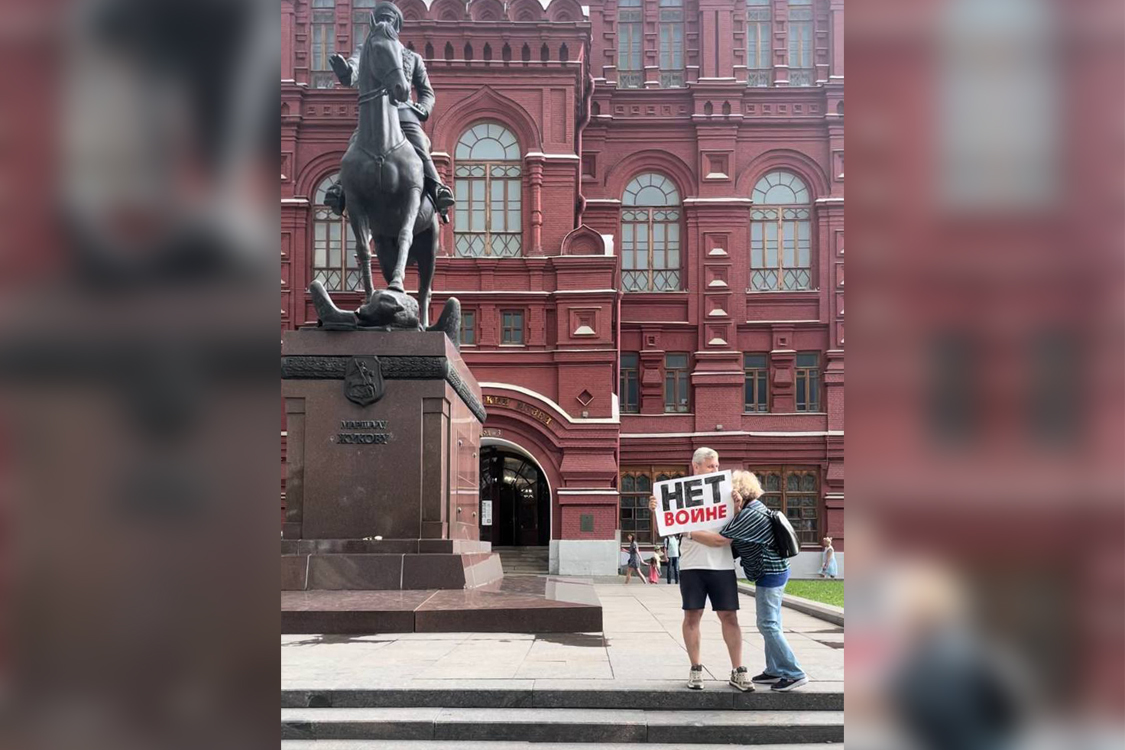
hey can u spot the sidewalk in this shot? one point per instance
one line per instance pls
(641, 644)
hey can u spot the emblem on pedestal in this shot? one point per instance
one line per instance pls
(363, 381)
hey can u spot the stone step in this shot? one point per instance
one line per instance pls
(500, 745)
(622, 695)
(563, 725)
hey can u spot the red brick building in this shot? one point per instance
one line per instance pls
(648, 243)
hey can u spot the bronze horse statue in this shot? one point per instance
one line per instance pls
(382, 176)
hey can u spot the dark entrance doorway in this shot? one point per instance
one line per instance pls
(520, 500)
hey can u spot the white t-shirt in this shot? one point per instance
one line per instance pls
(696, 556)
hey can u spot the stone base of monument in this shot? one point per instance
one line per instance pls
(382, 528)
(515, 604)
(388, 564)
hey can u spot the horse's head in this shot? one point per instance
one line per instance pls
(382, 60)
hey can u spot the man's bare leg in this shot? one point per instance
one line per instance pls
(732, 634)
(692, 618)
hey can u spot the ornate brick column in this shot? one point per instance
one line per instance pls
(534, 164)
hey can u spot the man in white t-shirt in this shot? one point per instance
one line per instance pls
(708, 573)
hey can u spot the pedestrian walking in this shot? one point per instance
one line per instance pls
(672, 555)
(654, 566)
(828, 559)
(634, 563)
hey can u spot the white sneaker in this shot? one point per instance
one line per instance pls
(740, 679)
(695, 678)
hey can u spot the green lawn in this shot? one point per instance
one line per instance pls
(828, 592)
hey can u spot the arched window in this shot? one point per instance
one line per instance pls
(488, 184)
(630, 43)
(671, 43)
(780, 234)
(759, 47)
(334, 262)
(650, 235)
(801, 72)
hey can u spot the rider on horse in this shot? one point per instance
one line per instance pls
(410, 114)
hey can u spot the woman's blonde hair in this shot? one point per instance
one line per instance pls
(746, 486)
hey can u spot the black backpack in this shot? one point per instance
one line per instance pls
(785, 542)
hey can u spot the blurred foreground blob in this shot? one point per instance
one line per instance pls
(138, 345)
(986, 362)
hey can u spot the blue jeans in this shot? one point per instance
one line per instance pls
(673, 565)
(780, 661)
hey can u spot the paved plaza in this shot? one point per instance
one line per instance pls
(641, 643)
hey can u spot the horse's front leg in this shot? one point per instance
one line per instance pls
(405, 239)
(363, 250)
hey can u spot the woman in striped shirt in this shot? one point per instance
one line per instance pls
(750, 535)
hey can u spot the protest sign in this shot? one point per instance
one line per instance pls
(699, 503)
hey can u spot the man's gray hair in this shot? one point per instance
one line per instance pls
(702, 454)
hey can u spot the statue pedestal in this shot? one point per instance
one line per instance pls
(383, 441)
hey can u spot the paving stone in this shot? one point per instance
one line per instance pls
(642, 642)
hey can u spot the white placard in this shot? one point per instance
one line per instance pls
(485, 512)
(700, 503)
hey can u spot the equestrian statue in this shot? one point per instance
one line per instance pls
(388, 184)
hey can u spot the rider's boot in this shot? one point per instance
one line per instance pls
(334, 198)
(442, 198)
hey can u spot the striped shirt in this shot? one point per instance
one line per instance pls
(751, 538)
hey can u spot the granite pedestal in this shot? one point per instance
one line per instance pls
(382, 492)
(382, 489)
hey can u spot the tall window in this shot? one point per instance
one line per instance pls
(808, 381)
(334, 261)
(323, 43)
(801, 72)
(650, 235)
(361, 21)
(756, 368)
(759, 52)
(636, 486)
(780, 230)
(671, 43)
(511, 327)
(488, 184)
(468, 328)
(795, 492)
(630, 42)
(628, 391)
(676, 390)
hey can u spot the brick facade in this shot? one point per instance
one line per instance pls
(549, 76)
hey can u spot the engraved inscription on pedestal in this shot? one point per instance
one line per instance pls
(363, 432)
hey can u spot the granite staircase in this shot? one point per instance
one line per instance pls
(524, 561)
(652, 714)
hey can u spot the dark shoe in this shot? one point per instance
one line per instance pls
(443, 198)
(765, 679)
(784, 685)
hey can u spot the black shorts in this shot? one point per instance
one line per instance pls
(720, 586)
